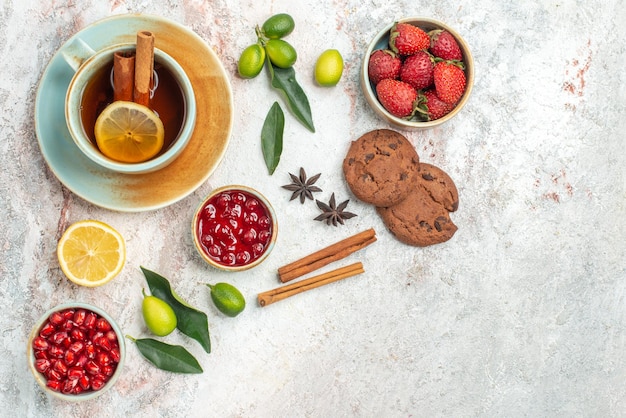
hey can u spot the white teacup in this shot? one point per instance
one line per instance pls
(87, 64)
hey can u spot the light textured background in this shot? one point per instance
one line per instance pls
(522, 313)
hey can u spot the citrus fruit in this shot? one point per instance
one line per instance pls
(159, 316)
(278, 26)
(251, 61)
(281, 53)
(129, 132)
(227, 299)
(328, 68)
(91, 253)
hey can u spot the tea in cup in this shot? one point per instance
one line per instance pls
(91, 91)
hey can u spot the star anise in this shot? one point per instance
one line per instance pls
(302, 187)
(333, 213)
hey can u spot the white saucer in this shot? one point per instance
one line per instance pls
(135, 193)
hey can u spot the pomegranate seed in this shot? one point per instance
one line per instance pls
(84, 382)
(68, 386)
(108, 370)
(77, 390)
(103, 359)
(82, 360)
(102, 325)
(111, 336)
(41, 355)
(47, 330)
(90, 320)
(55, 351)
(77, 334)
(97, 384)
(56, 318)
(103, 343)
(79, 317)
(40, 343)
(115, 355)
(52, 374)
(59, 337)
(92, 367)
(60, 367)
(42, 365)
(90, 350)
(75, 373)
(68, 314)
(69, 357)
(76, 347)
(55, 385)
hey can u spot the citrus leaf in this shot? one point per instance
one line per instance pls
(172, 358)
(284, 79)
(191, 322)
(272, 137)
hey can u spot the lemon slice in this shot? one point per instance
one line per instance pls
(129, 132)
(91, 253)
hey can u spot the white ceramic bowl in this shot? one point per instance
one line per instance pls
(381, 41)
(201, 244)
(41, 379)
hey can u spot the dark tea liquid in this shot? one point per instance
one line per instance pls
(168, 102)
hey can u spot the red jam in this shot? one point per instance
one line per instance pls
(234, 228)
(77, 351)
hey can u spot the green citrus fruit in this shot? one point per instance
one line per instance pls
(251, 61)
(278, 26)
(281, 53)
(227, 299)
(328, 68)
(159, 316)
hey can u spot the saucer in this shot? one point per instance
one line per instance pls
(138, 192)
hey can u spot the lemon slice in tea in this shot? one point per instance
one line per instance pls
(129, 132)
(91, 253)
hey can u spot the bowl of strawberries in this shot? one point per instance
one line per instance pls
(417, 73)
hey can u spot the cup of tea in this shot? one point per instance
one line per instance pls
(91, 91)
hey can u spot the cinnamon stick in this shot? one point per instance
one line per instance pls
(123, 76)
(326, 255)
(144, 66)
(278, 294)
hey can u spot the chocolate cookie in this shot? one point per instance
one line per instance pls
(423, 218)
(381, 167)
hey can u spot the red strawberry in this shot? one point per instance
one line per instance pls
(417, 70)
(406, 39)
(382, 64)
(432, 106)
(397, 97)
(444, 46)
(449, 81)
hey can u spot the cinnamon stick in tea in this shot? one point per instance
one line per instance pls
(326, 255)
(144, 67)
(275, 295)
(123, 75)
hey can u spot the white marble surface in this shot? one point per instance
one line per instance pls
(522, 313)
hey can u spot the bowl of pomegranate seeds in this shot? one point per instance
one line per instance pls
(234, 228)
(76, 351)
(417, 73)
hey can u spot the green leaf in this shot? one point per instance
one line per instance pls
(191, 322)
(272, 137)
(172, 358)
(284, 79)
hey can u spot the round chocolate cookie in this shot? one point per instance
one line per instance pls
(423, 218)
(381, 167)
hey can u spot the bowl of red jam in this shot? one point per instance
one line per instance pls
(76, 351)
(234, 228)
